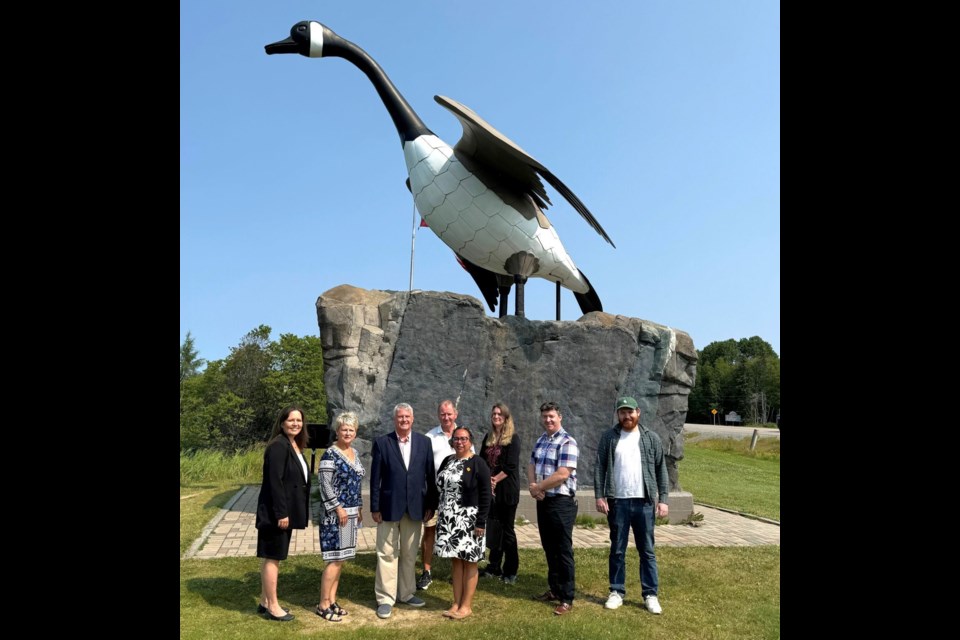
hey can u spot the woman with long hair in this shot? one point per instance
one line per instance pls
(501, 451)
(283, 504)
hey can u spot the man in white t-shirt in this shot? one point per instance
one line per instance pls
(440, 438)
(630, 484)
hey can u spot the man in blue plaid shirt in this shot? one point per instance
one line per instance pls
(552, 474)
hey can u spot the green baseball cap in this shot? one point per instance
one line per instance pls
(626, 402)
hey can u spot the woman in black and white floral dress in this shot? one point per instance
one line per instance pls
(464, 483)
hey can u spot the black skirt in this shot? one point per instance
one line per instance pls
(273, 543)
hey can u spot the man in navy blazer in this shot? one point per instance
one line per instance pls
(403, 493)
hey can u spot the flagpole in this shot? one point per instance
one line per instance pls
(413, 243)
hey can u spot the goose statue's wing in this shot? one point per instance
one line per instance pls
(486, 281)
(512, 165)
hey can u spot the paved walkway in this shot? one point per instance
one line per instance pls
(232, 533)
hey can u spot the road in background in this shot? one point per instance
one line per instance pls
(724, 431)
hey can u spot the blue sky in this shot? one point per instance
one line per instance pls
(663, 117)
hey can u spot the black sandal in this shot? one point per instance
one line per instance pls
(337, 609)
(328, 614)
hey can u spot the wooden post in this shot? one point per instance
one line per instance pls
(753, 440)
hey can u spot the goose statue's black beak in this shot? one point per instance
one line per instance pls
(287, 45)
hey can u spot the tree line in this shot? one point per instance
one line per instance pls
(232, 402)
(736, 375)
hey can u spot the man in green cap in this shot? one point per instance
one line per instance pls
(630, 484)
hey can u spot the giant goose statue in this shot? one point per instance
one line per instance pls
(483, 197)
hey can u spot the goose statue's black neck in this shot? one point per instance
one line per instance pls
(405, 119)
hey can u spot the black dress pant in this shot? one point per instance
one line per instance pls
(506, 516)
(556, 516)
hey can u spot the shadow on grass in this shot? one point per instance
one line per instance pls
(299, 586)
(220, 499)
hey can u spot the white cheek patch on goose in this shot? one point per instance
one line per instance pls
(316, 40)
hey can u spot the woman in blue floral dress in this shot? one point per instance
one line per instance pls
(464, 483)
(340, 475)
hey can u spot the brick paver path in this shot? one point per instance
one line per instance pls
(232, 532)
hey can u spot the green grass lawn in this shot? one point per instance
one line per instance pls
(714, 593)
(198, 504)
(705, 592)
(208, 479)
(725, 473)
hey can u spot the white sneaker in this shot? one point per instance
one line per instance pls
(614, 601)
(653, 604)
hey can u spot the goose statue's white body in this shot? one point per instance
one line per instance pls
(475, 222)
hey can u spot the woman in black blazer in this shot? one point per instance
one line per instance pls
(464, 483)
(501, 451)
(283, 505)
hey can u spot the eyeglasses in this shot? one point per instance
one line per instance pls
(460, 439)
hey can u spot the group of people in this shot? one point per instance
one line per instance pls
(630, 485)
(435, 494)
(284, 505)
(433, 489)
